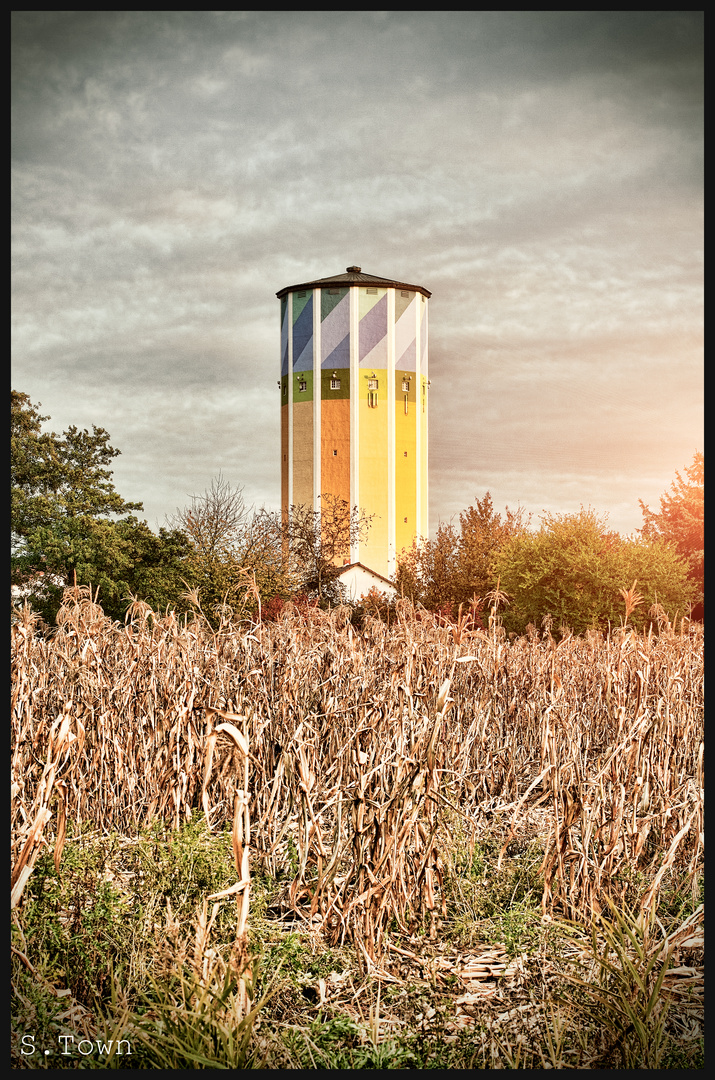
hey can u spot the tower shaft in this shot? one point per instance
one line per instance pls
(354, 405)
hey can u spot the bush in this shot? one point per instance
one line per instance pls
(573, 570)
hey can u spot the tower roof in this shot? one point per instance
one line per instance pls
(354, 276)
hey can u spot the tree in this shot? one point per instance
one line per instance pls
(66, 519)
(267, 561)
(236, 559)
(681, 521)
(457, 565)
(58, 478)
(213, 525)
(243, 559)
(574, 569)
(319, 540)
(158, 566)
(216, 521)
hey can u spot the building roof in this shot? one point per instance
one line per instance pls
(361, 566)
(354, 276)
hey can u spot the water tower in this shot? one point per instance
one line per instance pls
(354, 404)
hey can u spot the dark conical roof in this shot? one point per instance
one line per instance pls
(354, 276)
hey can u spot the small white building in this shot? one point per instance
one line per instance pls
(357, 580)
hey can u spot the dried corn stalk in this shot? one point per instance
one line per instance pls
(367, 750)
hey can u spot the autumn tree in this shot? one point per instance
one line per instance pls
(243, 559)
(320, 540)
(681, 520)
(456, 566)
(214, 524)
(237, 560)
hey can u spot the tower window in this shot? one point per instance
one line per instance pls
(334, 383)
(372, 399)
(405, 386)
(372, 384)
(334, 292)
(405, 521)
(406, 405)
(403, 292)
(285, 390)
(371, 292)
(335, 453)
(301, 293)
(404, 453)
(302, 386)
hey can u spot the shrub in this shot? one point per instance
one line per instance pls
(573, 571)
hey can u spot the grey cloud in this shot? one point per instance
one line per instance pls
(539, 172)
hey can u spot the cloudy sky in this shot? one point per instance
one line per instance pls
(539, 173)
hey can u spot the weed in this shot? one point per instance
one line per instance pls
(624, 1000)
(195, 1023)
(80, 925)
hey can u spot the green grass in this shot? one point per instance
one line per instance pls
(100, 929)
(488, 904)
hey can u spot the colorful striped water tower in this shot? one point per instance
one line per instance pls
(354, 405)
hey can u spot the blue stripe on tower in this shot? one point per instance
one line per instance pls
(408, 358)
(340, 356)
(303, 339)
(284, 336)
(335, 336)
(405, 343)
(373, 332)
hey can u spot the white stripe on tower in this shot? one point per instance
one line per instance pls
(317, 400)
(391, 524)
(354, 410)
(289, 316)
(424, 528)
(418, 414)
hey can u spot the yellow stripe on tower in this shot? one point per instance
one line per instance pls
(373, 465)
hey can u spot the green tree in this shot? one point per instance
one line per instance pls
(68, 523)
(573, 570)
(58, 478)
(157, 570)
(681, 520)
(457, 565)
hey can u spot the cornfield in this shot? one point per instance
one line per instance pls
(366, 751)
